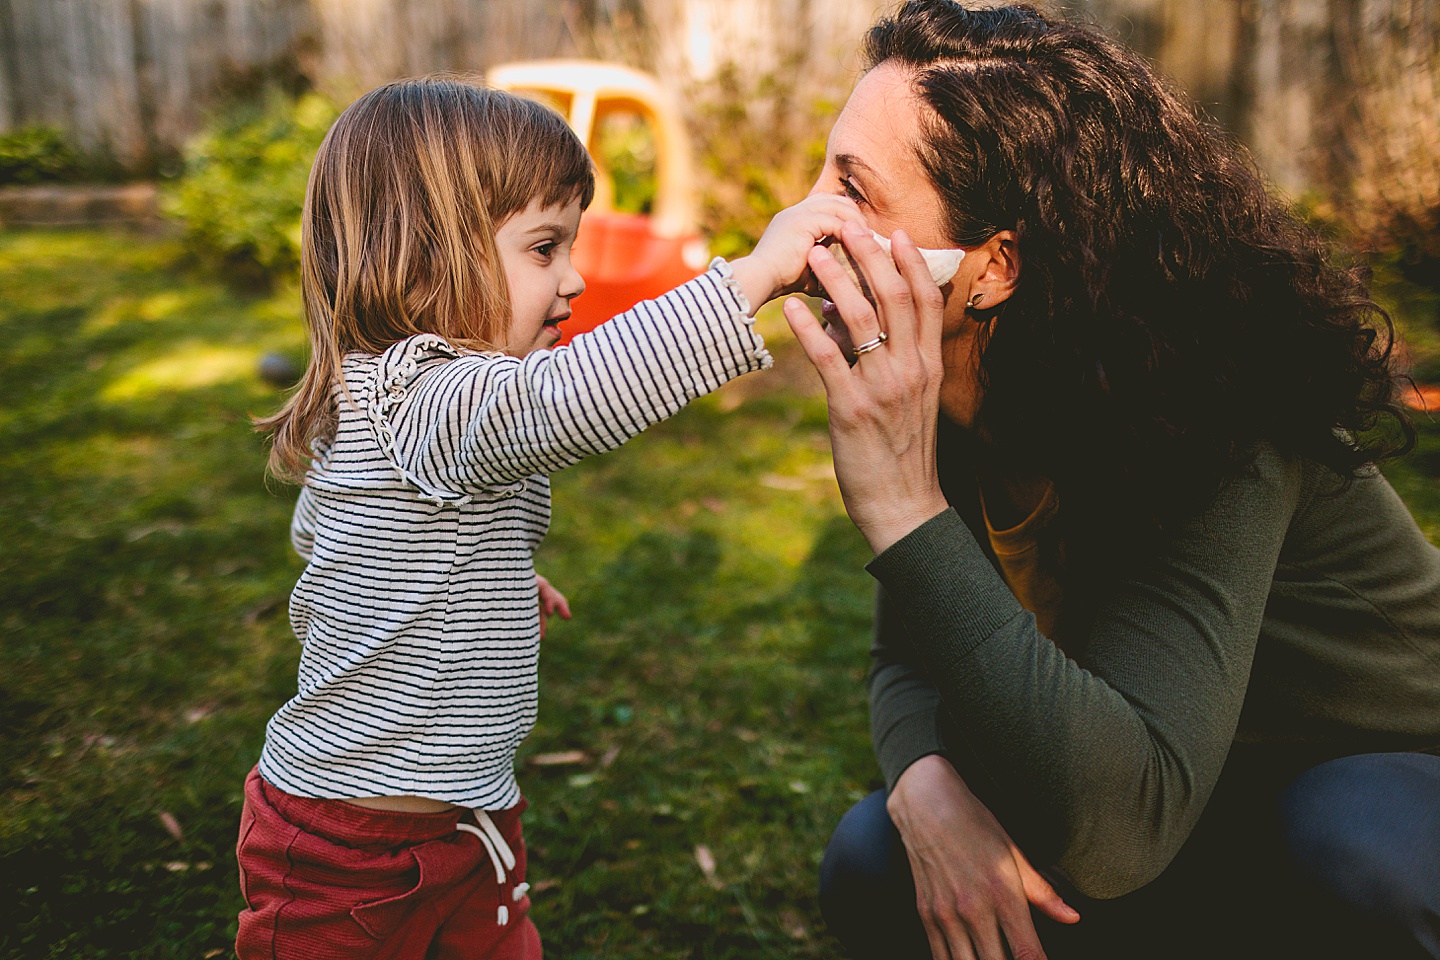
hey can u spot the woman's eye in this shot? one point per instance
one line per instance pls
(852, 191)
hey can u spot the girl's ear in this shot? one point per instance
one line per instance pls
(1001, 273)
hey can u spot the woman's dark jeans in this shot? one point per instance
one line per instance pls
(1346, 866)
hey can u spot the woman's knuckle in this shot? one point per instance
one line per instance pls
(998, 889)
(964, 903)
(899, 294)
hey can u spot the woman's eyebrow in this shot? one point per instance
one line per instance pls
(850, 162)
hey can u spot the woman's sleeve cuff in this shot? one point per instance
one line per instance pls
(944, 586)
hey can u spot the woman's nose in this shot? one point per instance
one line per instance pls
(827, 176)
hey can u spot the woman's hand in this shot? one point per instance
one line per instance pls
(552, 602)
(973, 886)
(884, 408)
(778, 264)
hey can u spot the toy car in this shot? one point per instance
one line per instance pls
(625, 257)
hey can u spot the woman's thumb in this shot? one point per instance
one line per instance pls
(1043, 897)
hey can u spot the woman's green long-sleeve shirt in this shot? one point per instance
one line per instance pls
(1290, 613)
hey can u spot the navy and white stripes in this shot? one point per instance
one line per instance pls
(418, 609)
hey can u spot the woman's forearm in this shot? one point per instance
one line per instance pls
(1119, 756)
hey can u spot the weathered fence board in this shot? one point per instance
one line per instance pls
(1324, 91)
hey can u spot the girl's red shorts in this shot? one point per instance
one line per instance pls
(325, 878)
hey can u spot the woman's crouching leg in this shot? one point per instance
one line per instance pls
(1366, 830)
(867, 894)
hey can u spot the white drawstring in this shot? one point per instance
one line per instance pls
(496, 838)
(502, 858)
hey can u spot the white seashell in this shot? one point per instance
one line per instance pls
(942, 263)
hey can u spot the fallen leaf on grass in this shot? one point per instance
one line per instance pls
(560, 758)
(777, 482)
(793, 926)
(608, 757)
(140, 533)
(706, 861)
(542, 886)
(196, 714)
(260, 611)
(171, 825)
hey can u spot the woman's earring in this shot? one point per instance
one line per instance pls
(974, 302)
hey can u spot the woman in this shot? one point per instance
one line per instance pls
(1149, 619)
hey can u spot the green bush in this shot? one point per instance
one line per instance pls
(37, 154)
(244, 183)
(761, 143)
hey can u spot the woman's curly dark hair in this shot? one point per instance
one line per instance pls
(1171, 313)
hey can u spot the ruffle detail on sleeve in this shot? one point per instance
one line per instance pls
(721, 268)
(387, 387)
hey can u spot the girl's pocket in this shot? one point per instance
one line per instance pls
(439, 865)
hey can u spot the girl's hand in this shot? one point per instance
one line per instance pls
(973, 886)
(778, 263)
(885, 404)
(552, 601)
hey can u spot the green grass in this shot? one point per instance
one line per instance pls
(716, 656)
(712, 675)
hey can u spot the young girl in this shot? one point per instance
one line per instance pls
(383, 819)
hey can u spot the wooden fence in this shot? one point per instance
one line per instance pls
(1343, 95)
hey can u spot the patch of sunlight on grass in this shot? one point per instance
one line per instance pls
(191, 366)
(142, 462)
(785, 530)
(60, 268)
(164, 305)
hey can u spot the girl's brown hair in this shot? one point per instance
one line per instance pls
(398, 230)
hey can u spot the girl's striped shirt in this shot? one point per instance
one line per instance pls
(417, 609)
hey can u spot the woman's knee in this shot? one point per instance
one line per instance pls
(1366, 829)
(860, 859)
(867, 894)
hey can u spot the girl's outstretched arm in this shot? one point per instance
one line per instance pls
(461, 425)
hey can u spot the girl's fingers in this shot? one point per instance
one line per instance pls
(842, 208)
(860, 319)
(823, 352)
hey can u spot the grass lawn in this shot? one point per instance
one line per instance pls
(712, 677)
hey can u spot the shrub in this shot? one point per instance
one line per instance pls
(38, 154)
(761, 141)
(243, 185)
